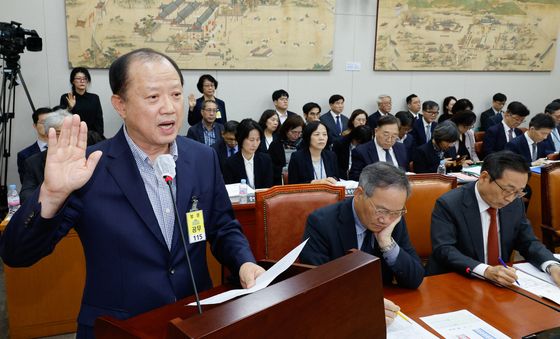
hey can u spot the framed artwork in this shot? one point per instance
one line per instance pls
(219, 34)
(466, 35)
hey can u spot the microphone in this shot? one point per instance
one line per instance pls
(164, 167)
(472, 272)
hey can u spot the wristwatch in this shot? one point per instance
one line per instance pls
(547, 268)
(390, 247)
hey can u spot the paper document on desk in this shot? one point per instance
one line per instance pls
(262, 281)
(472, 170)
(405, 329)
(535, 272)
(462, 324)
(538, 287)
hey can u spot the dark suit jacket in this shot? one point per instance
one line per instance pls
(24, 154)
(495, 138)
(300, 169)
(130, 269)
(278, 157)
(457, 239)
(342, 150)
(332, 232)
(409, 145)
(34, 174)
(485, 121)
(366, 154)
(495, 119)
(234, 170)
(418, 131)
(549, 143)
(520, 146)
(196, 132)
(195, 116)
(330, 123)
(426, 159)
(372, 119)
(222, 150)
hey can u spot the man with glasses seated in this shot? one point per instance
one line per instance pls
(423, 127)
(371, 221)
(498, 135)
(476, 225)
(207, 130)
(384, 147)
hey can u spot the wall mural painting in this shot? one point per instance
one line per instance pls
(218, 34)
(466, 35)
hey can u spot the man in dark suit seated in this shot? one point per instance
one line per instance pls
(497, 136)
(405, 126)
(371, 221)
(335, 121)
(498, 103)
(207, 130)
(475, 225)
(384, 147)
(384, 105)
(227, 146)
(553, 139)
(281, 98)
(423, 127)
(531, 145)
(38, 146)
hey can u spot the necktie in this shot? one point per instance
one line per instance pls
(493, 251)
(231, 152)
(510, 132)
(534, 155)
(428, 133)
(388, 157)
(366, 245)
(338, 125)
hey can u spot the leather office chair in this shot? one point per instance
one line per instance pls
(426, 189)
(479, 136)
(282, 212)
(478, 148)
(550, 200)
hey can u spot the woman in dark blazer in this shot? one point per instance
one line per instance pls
(207, 85)
(235, 168)
(281, 149)
(313, 163)
(343, 147)
(427, 157)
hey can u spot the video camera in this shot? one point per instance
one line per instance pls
(13, 41)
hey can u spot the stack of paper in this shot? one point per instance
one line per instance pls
(462, 324)
(402, 328)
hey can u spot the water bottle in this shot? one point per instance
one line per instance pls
(13, 199)
(243, 191)
(441, 168)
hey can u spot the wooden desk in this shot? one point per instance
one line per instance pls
(534, 212)
(511, 313)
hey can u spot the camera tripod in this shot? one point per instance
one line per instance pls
(10, 75)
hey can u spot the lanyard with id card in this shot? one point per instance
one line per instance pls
(195, 223)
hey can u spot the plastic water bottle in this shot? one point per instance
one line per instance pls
(13, 199)
(441, 168)
(243, 191)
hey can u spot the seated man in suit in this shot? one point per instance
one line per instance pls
(498, 135)
(423, 127)
(426, 158)
(281, 98)
(384, 147)
(414, 105)
(406, 120)
(35, 164)
(207, 130)
(498, 103)
(531, 145)
(478, 223)
(371, 221)
(384, 106)
(38, 146)
(334, 119)
(227, 146)
(553, 139)
(120, 207)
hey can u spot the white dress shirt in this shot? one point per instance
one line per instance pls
(250, 170)
(382, 156)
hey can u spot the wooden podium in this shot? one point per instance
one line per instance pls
(343, 298)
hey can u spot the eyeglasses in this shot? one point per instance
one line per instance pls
(210, 85)
(211, 110)
(283, 99)
(385, 213)
(389, 136)
(508, 193)
(432, 112)
(81, 79)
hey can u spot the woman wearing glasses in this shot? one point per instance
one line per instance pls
(206, 85)
(427, 157)
(281, 149)
(85, 104)
(465, 145)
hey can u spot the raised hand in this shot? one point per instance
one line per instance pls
(71, 100)
(192, 101)
(66, 167)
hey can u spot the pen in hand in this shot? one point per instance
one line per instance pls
(506, 266)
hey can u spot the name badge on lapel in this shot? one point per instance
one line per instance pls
(195, 223)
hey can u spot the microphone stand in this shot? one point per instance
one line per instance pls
(169, 181)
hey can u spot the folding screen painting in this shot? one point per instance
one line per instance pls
(466, 35)
(219, 34)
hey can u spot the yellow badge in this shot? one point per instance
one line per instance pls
(195, 226)
(218, 114)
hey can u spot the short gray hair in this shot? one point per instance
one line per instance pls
(54, 119)
(381, 97)
(383, 175)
